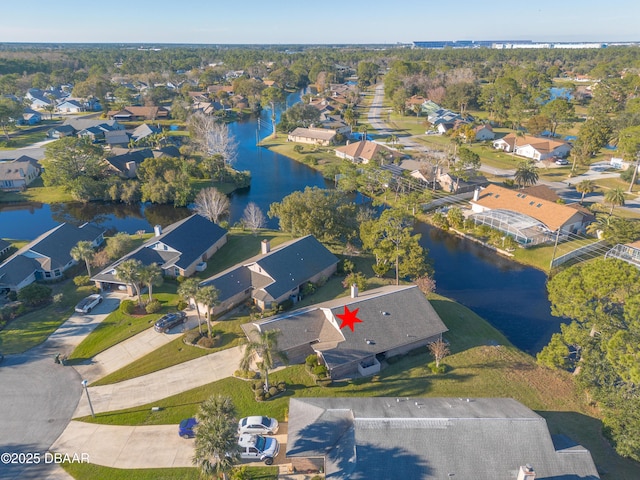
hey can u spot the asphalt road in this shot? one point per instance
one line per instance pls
(38, 398)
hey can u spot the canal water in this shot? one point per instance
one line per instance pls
(510, 296)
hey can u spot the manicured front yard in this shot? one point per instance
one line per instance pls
(33, 328)
(119, 326)
(88, 471)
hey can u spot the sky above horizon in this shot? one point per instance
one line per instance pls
(326, 22)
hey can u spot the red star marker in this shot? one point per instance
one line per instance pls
(349, 318)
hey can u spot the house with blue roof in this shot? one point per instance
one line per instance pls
(182, 249)
(274, 276)
(47, 257)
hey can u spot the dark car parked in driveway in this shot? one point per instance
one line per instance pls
(169, 321)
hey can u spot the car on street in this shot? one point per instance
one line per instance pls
(186, 428)
(170, 320)
(89, 303)
(257, 447)
(257, 424)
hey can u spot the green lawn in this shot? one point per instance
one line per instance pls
(37, 192)
(88, 471)
(119, 326)
(177, 351)
(29, 330)
(23, 137)
(482, 364)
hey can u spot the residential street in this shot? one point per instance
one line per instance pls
(565, 189)
(38, 397)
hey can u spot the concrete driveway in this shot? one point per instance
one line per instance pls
(130, 350)
(164, 383)
(156, 446)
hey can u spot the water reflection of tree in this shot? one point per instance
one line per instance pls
(78, 213)
(164, 214)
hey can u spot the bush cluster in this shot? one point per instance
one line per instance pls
(153, 306)
(127, 307)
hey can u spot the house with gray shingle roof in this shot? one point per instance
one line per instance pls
(19, 173)
(4, 247)
(274, 276)
(48, 256)
(394, 320)
(180, 250)
(361, 438)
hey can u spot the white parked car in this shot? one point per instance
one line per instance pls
(256, 447)
(261, 425)
(87, 304)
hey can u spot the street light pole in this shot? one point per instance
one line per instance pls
(86, 389)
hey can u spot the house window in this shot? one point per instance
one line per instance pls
(56, 272)
(47, 274)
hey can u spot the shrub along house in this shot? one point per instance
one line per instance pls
(394, 320)
(181, 250)
(274, 276)
(47, 257)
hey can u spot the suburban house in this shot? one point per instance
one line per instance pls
(527, 215)
(313, 136)
(394, 320)
(536, 148)
(361, 438)
(628, 252)
(453, 184)
(126, 164)
(484, 132)
(70, 106)
(61, 131)
(17, 174)
(334, 122)
(181, 250)
(4, 247)
(274, 276)
(48, 256)
(143, 131)
(116, 138)
(132, 113)
(364, 151)
(81, 123)
(30, 117)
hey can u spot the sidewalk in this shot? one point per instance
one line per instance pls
(130, 350)
(164, 383)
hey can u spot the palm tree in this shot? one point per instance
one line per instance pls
(350, 117)
(265, 347)
(216, 442)
(526, 174)
(83, 250)
(151, 275)
(584, 187)
(129, 272)
(363, 132)
(188, 290)
(208, 296)
(614, 197)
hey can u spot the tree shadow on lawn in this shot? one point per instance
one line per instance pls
(570, 429)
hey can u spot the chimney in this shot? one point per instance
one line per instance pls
(266, 246)
(526, 473)
(476, 194)
(157, 229)
(354, 290)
